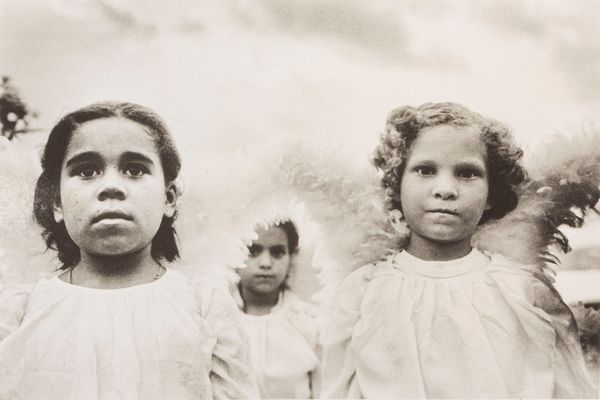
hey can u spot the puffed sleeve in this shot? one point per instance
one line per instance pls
(13, 302)
(570, 376)
(231, 376)
(338, 375)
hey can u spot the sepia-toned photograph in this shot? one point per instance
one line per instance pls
(299, 199)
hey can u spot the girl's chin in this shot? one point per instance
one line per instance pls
(265, 288)
(113, 250)
(441, 238)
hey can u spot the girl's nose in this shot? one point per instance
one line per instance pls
(112, 186)
(445, 188)
(265, 261)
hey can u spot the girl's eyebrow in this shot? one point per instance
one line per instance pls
(471, 164)
(92, 155)
(85, 156)
(421, 161)
(277, 247)
(132, 155)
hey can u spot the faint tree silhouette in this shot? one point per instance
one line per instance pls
(15, 116)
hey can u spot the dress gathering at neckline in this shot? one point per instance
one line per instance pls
(405, 261)
(142, 286)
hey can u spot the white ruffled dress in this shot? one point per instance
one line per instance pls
(475, 327)
(168, 339)
(283, 348)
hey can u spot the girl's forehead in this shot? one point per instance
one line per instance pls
(449, 142)
(111, 136)
(271, 236)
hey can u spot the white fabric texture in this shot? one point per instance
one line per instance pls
(474, 327)
(283, 348)
(168, 339)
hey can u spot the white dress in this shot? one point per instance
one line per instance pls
(283, 348)
(168, 339)
(475, 327)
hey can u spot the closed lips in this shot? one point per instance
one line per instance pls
(444, 211)
(111, 215)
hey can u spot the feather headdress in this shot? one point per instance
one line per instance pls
(335, 187)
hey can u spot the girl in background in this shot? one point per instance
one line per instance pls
(439, 318)
(282, 328)
(117, 323)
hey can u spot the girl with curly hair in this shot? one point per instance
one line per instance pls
(281, 327)
(440, 319)
(117, 322)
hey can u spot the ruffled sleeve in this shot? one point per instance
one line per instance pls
(570, 376)
(230, 375)
(339, 361)
(568, 372)
(13, 303)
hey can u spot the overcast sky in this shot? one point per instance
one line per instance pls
(231, 70)
(227, 73)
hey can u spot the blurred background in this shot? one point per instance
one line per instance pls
(229, 74)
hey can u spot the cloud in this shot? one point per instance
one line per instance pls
(375, 28)
(123, 18)
(137, 17)
(326, 67)
(568, 32)
(515, 17)
(576, 51)
(380, 29)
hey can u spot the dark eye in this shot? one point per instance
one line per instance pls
(425, 170)
(86, 171)
(135, 170)
(469, 173)
(255, 250)
(277, 251)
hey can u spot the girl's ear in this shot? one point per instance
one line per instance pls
(58, 212)
(488, 205)
(172, 194)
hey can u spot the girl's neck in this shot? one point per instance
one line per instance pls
(428, 250)
(115, 272)
(258, 303)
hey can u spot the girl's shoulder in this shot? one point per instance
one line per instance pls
(16, 296)
(13, 305)
(539, 274)
(537, 282)
(543, 299)
(362, 276)
(212, 294)
(300, 309)
(350, 292)
(16, 290)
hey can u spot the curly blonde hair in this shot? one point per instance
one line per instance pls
(403, 126)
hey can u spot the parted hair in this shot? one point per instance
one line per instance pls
(47, 190)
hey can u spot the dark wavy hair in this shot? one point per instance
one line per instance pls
(292, 234)
(403, 126)
(47, 190)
